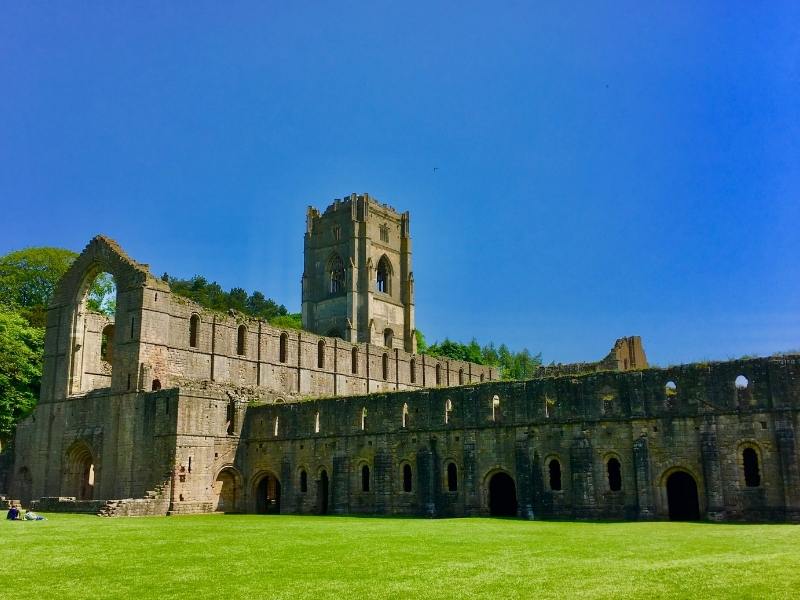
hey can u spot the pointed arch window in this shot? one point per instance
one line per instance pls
(365, 478)
(335, 275)
(384, 275)
(364, 418)
(316, 422)
(321, 354)
(413, 370)
(461, 377)
(405, 415)
(452, 477)
(495, 408)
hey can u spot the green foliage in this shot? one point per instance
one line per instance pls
(21, 348)
(211, 295)
(102, 296)
(28, 279)
(422, 345)
(293, 557)
(289, 321)
(513, 365)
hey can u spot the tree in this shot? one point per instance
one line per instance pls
(29, 277)
(21, 348)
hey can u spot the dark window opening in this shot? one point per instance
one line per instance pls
(230, 417)
(384, 274)
(385, 365)
(682, 497)
(133, 326)
(752, 474)
(388, 337)
(284, 348)
(614, 475)
(461, 377)
(107, 344)
(321, 354)
(156, 385)
(365, 478)
(194, 326)
(555, 475)
(407, 482)
(438, 374)
(303, 481)
(452, 478)
(502, 495)
(335, 275)
(241, 340)
(413, 371)
(354, 361)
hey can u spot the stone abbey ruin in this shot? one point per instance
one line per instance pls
(171, 408)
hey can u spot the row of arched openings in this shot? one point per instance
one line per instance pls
(336, 275)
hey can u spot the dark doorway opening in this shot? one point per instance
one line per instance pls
(268, 495)
(502, 496)
(684, 504)
(323, 492)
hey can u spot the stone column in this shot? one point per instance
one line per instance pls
(522, 462)
(383, 481)
(712, 474)
(425, 475)
(644, 484)
(340, 485)
(787, 453)
(581, 460)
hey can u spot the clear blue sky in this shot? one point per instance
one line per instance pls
(601, 170)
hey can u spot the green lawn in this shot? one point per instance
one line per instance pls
(253, 556)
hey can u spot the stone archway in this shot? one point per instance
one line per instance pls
(79, 475)
(682, 497)
(502, 495)
(227, 490)
(268, 495)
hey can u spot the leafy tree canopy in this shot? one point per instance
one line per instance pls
(512, 365)
(211, 295)
(21, 348)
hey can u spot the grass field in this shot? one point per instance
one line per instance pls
(253, 556)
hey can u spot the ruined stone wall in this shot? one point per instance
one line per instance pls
(583, 422)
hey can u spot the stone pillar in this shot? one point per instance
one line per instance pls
(382, 480)
(787, 453)
(425, 482)
(712, 474)
(340, 485)
(581, 460)
(644, 484)
(287, 485)
(472, 498)
(522, 460)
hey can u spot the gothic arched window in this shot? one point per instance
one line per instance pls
(335, 275)
(384, 278)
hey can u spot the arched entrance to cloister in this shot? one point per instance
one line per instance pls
(227, 490)
(682, 498)
(268, 494)
(502, 493)
(79, 473)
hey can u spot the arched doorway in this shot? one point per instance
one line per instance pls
(682, 498)
(226, 491)
(502, 495)
(323, 491)
(268, 495)
(79, 476)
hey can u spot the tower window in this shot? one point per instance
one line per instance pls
(388, 337)
(383, 280)
(337, 232)
(384, 232)
(335, 275)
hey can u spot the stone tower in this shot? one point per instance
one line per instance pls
(357, 279)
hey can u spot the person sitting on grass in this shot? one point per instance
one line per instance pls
(32, 516)
(13, 513)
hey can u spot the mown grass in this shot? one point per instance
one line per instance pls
(253, 556)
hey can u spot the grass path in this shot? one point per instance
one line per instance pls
(253, 556)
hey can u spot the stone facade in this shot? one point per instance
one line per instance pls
(174, 409)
